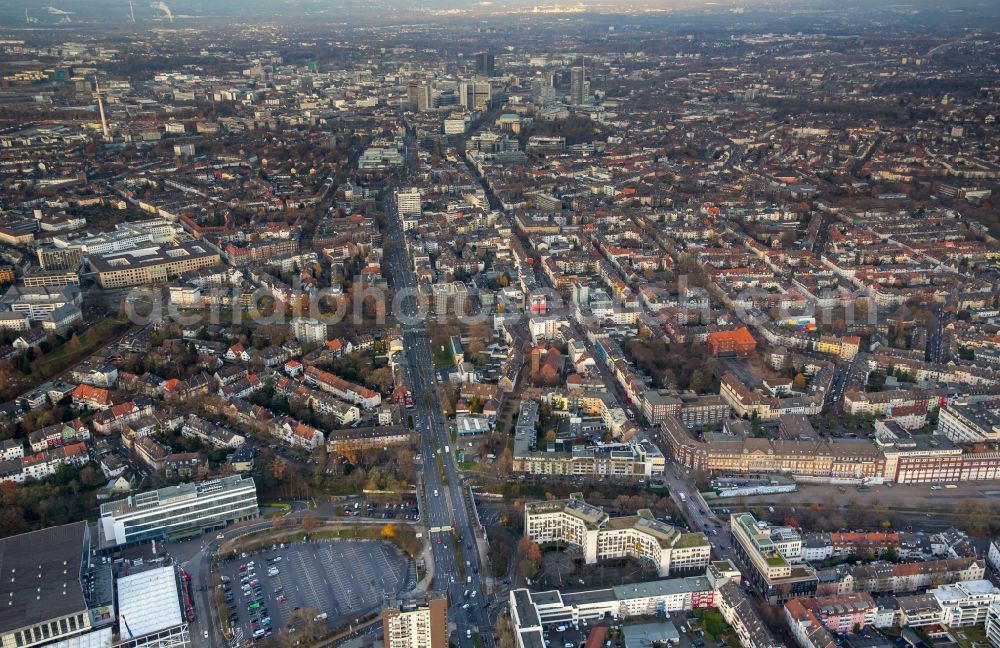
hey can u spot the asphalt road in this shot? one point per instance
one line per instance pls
(443, 506)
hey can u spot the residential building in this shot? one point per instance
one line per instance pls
(993, 625)
(740, 613)
(771, 558)
(449, 298)
(970, 422)
(408, 201)
(418, 621)
(636, 458)
(965, 603)
(601, 537)
(308, 330)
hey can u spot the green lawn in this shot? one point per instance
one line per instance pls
(712, 622)
(275, 509)
(90, 339)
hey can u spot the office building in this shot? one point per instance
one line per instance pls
(742, 455)
(38, 303)
(600, 537)
(770, 558)
(578, 86)
(42, 586)
(718, 588)
(157, 264)
(543, 93)
(486, 63)
(970, 422)
(617, 602)
(51, 257)
(36, 277)
(125, 236)
(418, 621)
(178, 511)
(420, 96)
(475, 95)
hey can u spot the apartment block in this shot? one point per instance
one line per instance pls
(601, 537)
(771, 558)
(420, 621)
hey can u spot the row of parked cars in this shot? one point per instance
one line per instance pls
(253, 593)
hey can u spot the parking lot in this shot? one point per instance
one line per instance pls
(361, 507)
(340, 578)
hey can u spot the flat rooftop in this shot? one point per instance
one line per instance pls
(40, 575)
(148, 602)
(152, 499)
(591, 515)
(149, 256)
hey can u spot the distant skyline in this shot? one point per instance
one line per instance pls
(62, 13)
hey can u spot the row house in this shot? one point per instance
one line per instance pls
(211, 434)
(348, 391)
(300, 435)
(57, 435)
(115, 418)
(242, 388)
(321, 402)
(883, 577)
(45, 463)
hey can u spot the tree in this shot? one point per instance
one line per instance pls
(278, 469)
(388, 531)
(309, 522)
(530, 551)
(527, 569)
(550, 436)
(799, 382)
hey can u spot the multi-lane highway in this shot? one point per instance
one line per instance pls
(452, 531)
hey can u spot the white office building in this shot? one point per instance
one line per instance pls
(178, 511)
